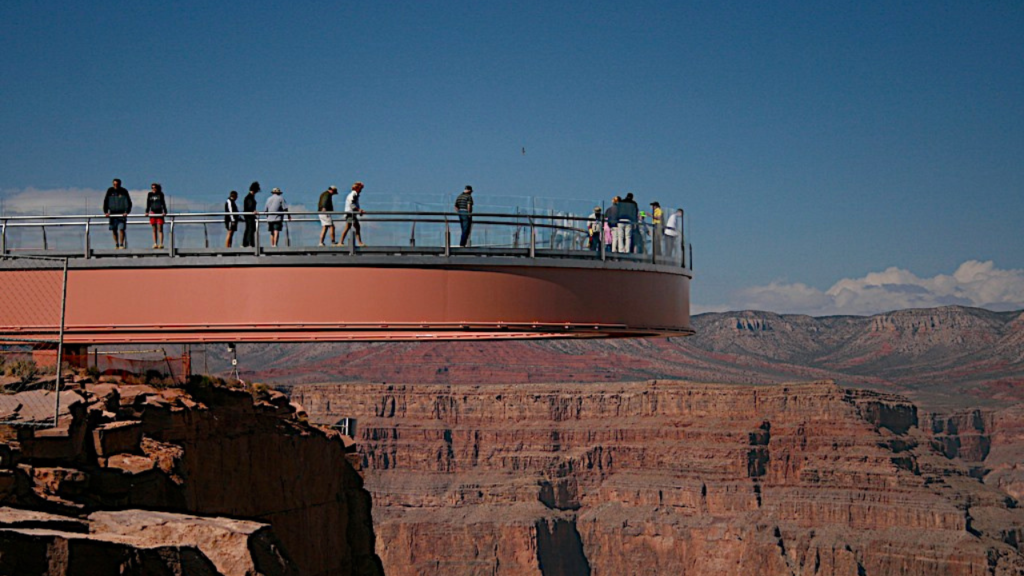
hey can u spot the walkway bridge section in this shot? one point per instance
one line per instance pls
(522, 277)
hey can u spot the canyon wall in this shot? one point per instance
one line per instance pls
(667, 478)
(209, 451)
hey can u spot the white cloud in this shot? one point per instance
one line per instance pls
(974, 283)
(83, 201)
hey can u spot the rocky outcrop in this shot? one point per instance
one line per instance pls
(137, 542)
(285, 491)
(667, 478)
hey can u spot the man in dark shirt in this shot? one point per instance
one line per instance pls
(629, 213)
(249, 208)
(464, 206)
(611, 217)
(116, 206)
(326, 204)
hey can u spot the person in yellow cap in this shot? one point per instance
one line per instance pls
(658, 222)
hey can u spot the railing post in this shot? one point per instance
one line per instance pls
(287, 233)
(256, 235)
(533, 239)
(88, 249)
(206, 234)
(682, 238)
(3, 237)
(170, 238)
(412, 235)
(447, 238)
(600, 237)
(46, 245)
(60, 344)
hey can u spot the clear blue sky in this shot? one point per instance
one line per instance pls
(809, 142)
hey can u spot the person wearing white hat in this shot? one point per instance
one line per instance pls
(275, 209)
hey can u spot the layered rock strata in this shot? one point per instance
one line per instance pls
(208, 451)
(666, 478)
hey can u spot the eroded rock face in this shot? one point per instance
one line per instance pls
(138, 542)
(667, 478)
(286, 491)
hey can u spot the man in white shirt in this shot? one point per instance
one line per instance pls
(672, 229)
(352, 212)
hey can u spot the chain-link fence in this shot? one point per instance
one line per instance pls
(33, 294)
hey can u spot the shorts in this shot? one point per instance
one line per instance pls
(325, 220)
(156, 221)
(352, 220)
(275, 226)
(231, 226)
(119, 223)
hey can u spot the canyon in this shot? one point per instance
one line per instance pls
(941, 358)
(672, 477)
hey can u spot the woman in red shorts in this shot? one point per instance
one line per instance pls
(156, 209)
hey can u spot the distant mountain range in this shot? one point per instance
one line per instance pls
(941, 357)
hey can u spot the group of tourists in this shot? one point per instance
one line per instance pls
(624, 228)
(275, 211)
(117, 204)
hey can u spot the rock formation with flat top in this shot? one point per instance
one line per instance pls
(209, 480)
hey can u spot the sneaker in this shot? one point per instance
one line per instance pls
(321, 244)
(155, 246)
(362, 245)
(340, 244)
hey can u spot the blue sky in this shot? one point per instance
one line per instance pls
(810, 143)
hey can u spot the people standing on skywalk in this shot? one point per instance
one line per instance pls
(275, 209)
(657, 227)
(156, 209)
(611, 219)
(231, 218)
(352, 213)
(326, 204)
(464, 206)
(117, 204)
(595, 229)
(628, 214)
(249, 208)
(673, 230)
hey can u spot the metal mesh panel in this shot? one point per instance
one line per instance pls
(32, 295)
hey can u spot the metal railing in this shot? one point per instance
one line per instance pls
(188, 234)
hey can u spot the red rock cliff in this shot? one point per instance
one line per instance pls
(210, 451)
(666, 478)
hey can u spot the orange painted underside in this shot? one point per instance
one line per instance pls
(321, 303)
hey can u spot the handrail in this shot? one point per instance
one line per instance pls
(575, 228)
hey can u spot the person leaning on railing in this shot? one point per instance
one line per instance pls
(672, 230)
(156, 209)
(119, 203)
